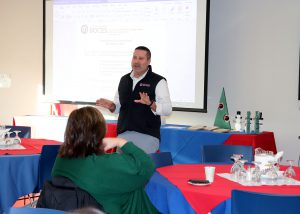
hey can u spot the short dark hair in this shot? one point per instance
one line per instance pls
(144, 49)
(85, 130)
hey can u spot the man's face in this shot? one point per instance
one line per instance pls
(139, 62)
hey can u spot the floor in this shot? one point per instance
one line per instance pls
(21, 202)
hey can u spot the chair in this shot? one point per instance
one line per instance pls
(55, 193)
(252, 202)
(59, 188)
(222, 153)
(46, 162)
(47, 159)
(161, 159)
(25, 130)
(26, 210)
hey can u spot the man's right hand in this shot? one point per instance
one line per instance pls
(112, 142)
(106, 104)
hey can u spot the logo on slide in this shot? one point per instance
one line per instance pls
(84, 29)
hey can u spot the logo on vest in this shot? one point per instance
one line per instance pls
(144, 84)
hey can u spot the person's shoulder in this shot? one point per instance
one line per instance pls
(157, 76)
(126, 76)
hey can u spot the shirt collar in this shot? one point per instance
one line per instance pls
(138, 78)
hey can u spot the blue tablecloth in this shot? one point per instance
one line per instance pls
(18, 177)
(166, 197)
(185, 145)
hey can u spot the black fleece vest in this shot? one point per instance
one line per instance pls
(136, 116)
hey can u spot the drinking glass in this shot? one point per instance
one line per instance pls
(256, 173)
(2, 131)
(290, 173)
(236, 167)
(17, 139)
(8, 139)
(243, 171)
(272, 171)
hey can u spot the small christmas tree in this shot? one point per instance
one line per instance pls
(222, 117)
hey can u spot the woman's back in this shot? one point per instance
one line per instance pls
(116, 181)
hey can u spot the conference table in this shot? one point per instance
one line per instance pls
(171, 194)
(185, 145)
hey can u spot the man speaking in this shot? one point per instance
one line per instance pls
(142, 97)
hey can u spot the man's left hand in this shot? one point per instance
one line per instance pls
(144, 99)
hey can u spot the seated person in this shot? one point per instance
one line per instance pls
(116, 180)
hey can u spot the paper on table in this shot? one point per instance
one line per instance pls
(219, 130)
(202, 127)
(175, 127)
(268, 182)
(11, 147)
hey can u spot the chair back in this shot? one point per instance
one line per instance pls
(25, 131)
(27, 210)
(47, 159)
(55, 193)
(222, 153)
(161, 159)
(246, 202)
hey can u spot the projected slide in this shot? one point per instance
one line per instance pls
(89, 46)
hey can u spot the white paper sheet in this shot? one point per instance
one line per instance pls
(11, 147)
(269, 182)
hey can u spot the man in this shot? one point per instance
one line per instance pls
(142, 97)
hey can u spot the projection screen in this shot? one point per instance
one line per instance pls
(88, 46)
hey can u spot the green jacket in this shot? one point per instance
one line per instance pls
(116, 181)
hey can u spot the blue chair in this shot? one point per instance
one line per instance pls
(47, 159)
(25, 131)
(46, 162)
(26, 210)
(161, 159)
(222, 153)
(252, 202)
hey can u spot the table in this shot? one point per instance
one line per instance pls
(166, 197)
(170, 185)
(264, 140)
(182, 143)
(32, 146)
(185, 145)
(19, 171)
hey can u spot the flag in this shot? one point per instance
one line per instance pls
(222, 117)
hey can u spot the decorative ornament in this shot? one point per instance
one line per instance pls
(222, 117)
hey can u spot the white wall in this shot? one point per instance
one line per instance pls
(21, 40)
(254, 54)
